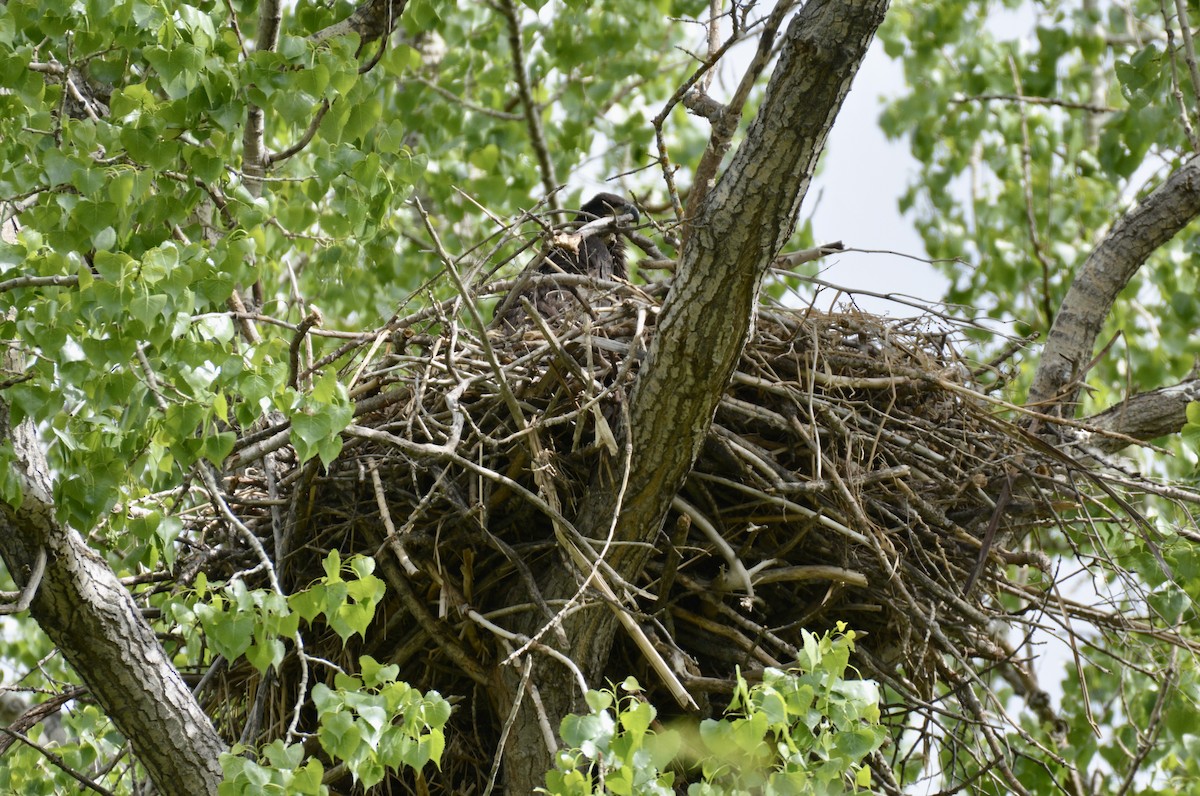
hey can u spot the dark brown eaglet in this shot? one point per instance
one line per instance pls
(601, 256)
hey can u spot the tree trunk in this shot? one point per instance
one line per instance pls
(739, 229)
(91, 617)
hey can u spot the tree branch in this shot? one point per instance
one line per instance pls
(254, 149)
(1136, 235)
(1185, 119)
(533, 118)
(738, 231)
(1145, 416)
(372, 19)
(1035, 238)
(304, 139)
(38, 281)
(1189, 48)
(1023, 99)
(57, 762)
(726, 121)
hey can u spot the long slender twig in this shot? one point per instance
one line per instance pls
(1035, 238)
(493, 113)
(532, 111)
(1148, 737)
(660, 120)
(1025, 99)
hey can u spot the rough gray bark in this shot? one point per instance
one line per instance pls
(82, 606)
(1145, 416)
(737, 232)
(1135, 236)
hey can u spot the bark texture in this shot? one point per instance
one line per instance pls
(1145, 416)
(737, 232)
(1136, 235)
(82, 606)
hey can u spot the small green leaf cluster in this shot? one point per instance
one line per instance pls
(285, 772)
(237, 620)
(348, 604)
(803, 731)
(240, 621)
(614, 754)
(318, 418)
(374, 724)
(87, 739)
(371, 723)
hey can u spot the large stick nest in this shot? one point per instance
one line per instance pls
(852, 468)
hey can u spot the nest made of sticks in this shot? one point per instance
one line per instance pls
(851, 470)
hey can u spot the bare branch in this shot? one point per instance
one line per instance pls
(304, 140)
(1189, 47)
(58, 762)
(664, 156)
(314, 318)
(37, 281)
(254, 150)
(494, 113)
(25, 596)
(793, 259)
(1185, 118)
(38, 713)
(1035, 239)
(1028, 100)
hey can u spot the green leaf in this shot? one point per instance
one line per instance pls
(308, 603)
(857, 744)
(105, 239)
(375, 674)
(339, 736)
(637, 718)
(230, 633)
(332, 565)
(598, 700)
(178, 67)
(281, 756)
(147, 307)
(1193, 412)
(265, 654)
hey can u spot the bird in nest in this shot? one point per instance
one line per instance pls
(601, 256)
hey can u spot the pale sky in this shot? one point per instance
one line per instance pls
(856, 194)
